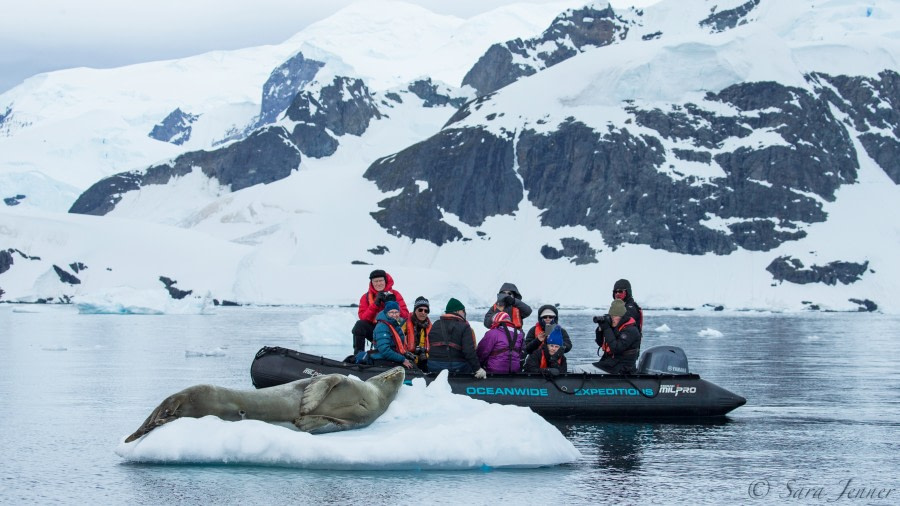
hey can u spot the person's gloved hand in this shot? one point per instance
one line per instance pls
(550, 372)
(379, 298)
(480, 374)
(509, 301)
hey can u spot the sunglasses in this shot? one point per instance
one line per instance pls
(619, 291)
(548, 317)
(422, 310)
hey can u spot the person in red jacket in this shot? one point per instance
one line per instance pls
(381, 290)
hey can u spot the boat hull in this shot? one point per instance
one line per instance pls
(578, 395)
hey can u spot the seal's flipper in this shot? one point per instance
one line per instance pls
(316, 391)
(319, 423)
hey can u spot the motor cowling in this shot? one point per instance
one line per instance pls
(663, 360)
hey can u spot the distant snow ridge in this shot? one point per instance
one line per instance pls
(573, 31)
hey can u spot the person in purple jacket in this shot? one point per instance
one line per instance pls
(500, 350)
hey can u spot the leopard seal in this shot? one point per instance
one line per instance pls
(326, 403)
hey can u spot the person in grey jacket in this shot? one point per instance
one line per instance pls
(509, 301)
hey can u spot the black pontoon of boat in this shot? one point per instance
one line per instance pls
(663, 388)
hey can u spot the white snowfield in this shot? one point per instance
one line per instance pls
(293, 241)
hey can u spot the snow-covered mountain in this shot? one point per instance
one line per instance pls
(729, 153)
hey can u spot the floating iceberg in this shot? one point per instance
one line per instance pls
(144, 302)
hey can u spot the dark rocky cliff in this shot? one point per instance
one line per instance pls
(621, 183)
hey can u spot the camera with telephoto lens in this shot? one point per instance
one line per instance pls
(600, 320)
(389, 296)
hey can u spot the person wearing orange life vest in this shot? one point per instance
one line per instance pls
(622, 290)
(416, 331)
(500, 350)
(548, 318)
(619, 338)
(381, 290)
(548, 358)
(390, 341)
(509, 301)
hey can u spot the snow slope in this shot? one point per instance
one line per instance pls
(309, 238)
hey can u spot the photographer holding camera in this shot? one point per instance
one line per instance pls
(619, 338)
(417, 327)
(381, 291)
(549, 358)
(509, 301)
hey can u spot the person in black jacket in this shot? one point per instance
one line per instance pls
(548, 319)
(451, 343)
(509, 301)
(548, 357)
(620, 339)
(622, 291)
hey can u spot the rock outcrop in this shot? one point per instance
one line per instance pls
(572, 32)
(174, 128)
(790, 269)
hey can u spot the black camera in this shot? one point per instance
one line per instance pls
(600, 320)
(389, 296)
(409, 356)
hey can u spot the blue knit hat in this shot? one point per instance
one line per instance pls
(555, 337)
(391, 305)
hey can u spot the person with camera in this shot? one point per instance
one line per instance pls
(620, 339)
(381, 290)
(451, 343)
(390, 346)
(509, 301)
(622, 291)
(548, 319)
(500, 350)
(548, 358)
(416, 328)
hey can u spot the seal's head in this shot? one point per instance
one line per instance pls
(388, 383)
(169, 410)
(336, 402)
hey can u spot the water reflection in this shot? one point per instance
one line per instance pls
(623, 446)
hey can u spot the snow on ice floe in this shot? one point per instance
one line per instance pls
(140, 302)
(709, 332)
(813, 338)
(462, 433)
(217, 352)
(663, 328)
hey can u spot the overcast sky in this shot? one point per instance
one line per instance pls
(43, 35)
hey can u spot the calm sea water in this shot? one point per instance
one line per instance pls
(821, 425)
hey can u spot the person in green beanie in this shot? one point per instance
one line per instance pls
(619, 338)
(451, 343)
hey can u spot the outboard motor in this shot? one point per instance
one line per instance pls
(663, 360)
